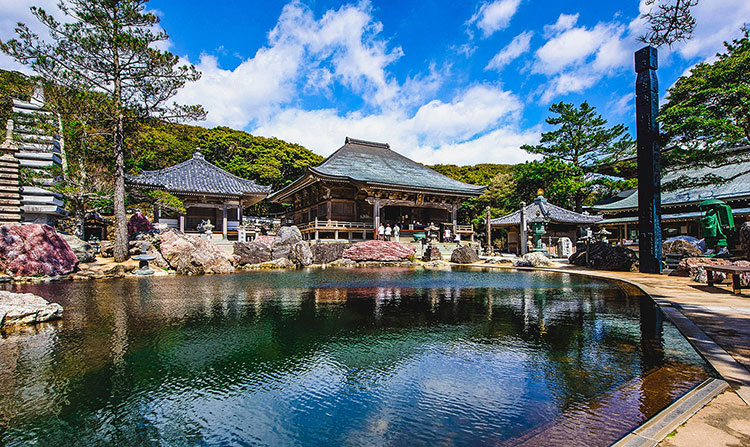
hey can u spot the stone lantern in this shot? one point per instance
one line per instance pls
(538, 223)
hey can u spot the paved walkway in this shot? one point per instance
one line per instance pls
(717, 323)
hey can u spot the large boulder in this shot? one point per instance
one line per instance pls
(26, 308)
(255, 252)
(83, 251)
(139, 223)
(282, 243)
(300, 254)
(35, 250)
(533, 259)
(680, 247)
(432, 253)
(325, 252)
(193, 255)
(464, 255)
(605, 256)
(383, 251)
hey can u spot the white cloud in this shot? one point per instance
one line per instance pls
(519, 45)
(494, 16)
(564, 23)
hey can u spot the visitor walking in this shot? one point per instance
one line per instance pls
(388, 232)
(447, 235)
(381, 232)
(396, 231)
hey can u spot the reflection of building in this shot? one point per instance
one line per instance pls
(680, 212)
(364, 184)
(560, 223)
(207, 191)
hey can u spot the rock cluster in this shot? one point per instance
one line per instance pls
(680, 247)
(381, 251)
(300, 254)
(26, 308)
(192, 254)
(35, 250)
(464, 255)
(287, 244)
(745, 238)
(432, 253)
(605, 256)
(533, 259)
(694, 268)
(324, 253)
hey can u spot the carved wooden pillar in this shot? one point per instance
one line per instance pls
(649, 163)
(224, 224)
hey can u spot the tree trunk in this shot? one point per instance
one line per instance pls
(121, 225)
(579, 202)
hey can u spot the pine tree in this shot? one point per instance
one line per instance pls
(109, 46)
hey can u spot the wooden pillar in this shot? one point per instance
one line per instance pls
(376, 215)
(649, 163)
(454, 216)
(489, 231)
(182, 222)
(328, 210)
(224, 225)
(522, 233)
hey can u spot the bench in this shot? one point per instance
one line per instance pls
(732, 270)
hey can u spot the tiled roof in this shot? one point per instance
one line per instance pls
(736, 188)
(197, 176)
(555, 213)
(378, 164)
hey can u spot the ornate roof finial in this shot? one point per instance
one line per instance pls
(198, 153)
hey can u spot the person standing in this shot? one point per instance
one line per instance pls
(381, 232)
(396, 231)
(388, 232)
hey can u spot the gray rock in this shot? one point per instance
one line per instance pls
(300, 254)
(26, 308)
(432, 253)
(193, 255)
(464, 255)
(605, 256)
(745, 238)
(83, 251)
(255, 252)
(533, 259)
(282, 243)
(325, 252)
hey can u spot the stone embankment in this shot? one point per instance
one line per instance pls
(26, 308)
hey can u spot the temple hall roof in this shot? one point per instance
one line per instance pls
(197, 176)
(555, 213)
(377, 165)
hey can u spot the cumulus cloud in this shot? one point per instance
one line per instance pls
(564, 23)
(519, 45)
(494, 16)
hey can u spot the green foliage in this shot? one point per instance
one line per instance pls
(579, 144)
(708, 112)
(12, 85)
(167, 201)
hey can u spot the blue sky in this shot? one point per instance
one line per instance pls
(443, 81)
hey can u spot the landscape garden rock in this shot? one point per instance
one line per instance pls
(282, 243)
(106, 249)
(692, 266)
(139, 223)
(432, 253)
(383, 251)
(255, 252)
(300, 254)
(680, 247)
(83, 251)
(605, 256)
(745, 238)
(193, 255)
(325, 252)
(464, 255)
(533, 259)
(26, 308)
(35, 250)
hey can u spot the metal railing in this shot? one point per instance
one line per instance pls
(334, 225)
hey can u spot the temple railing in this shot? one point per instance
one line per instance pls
(320, 224)
(464, 228)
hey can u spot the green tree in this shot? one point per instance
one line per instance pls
(109, 46)
(708, 114)
(581, 142)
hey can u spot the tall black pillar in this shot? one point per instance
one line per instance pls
(649, 164)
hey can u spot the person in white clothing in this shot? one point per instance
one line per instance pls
(396, 231)
(381, 232)
(388, 232)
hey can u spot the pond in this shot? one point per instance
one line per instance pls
(319, 357)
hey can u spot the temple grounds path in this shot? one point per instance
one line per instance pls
(717, 324)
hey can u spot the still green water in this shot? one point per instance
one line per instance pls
(385, 356)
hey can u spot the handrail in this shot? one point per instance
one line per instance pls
(335, 225)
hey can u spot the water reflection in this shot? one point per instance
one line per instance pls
(321, 357)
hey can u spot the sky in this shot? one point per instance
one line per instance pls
(442, 81)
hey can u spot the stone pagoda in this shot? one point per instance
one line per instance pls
(10, 190)
(41, 155)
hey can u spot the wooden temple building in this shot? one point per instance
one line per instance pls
(365, 184)
(560, 222)
(208, 192)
